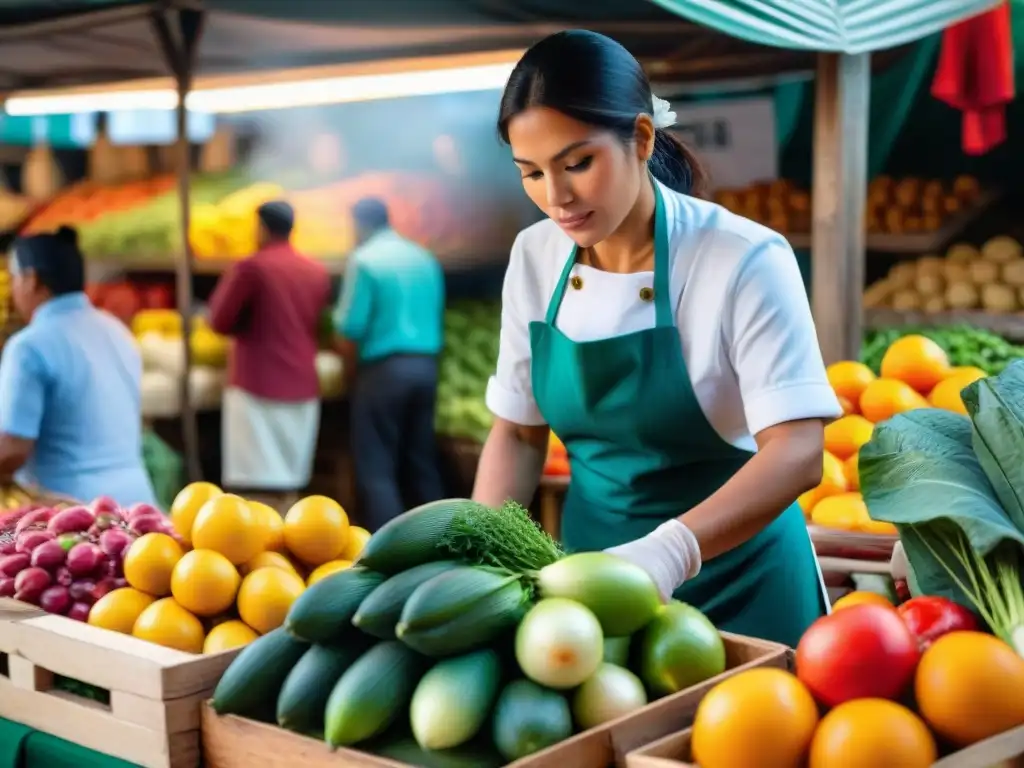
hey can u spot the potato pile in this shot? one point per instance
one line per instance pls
(990, 279)
(894, 206)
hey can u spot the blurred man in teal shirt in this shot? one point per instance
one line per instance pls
(392, 311)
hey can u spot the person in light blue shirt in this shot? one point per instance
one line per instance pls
(70, 383)
(391, 311)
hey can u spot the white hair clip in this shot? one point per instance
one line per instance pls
(661, 113)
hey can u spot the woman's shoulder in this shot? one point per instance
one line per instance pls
(693, 221)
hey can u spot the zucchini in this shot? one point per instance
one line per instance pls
(323, 613)
(529, 718)
(453, 700)
(380, 612)
(303, 697)
(461, 610)
(250, 686)
(412, 538)
(371, 694)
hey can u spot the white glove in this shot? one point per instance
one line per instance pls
(670, 554)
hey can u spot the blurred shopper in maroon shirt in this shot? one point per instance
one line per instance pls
(271, 304)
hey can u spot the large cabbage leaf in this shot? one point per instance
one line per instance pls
(996, 407)
(919, 472)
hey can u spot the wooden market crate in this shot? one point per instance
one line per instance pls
(1003, 751)
(234, 742)
(155, 693)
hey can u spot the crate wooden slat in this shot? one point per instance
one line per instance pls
(156, 693)
(234, 742)
(1003, 751)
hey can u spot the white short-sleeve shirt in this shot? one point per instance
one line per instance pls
(740, 306)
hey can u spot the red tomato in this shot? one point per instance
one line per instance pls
(864, 651)
(929, 618)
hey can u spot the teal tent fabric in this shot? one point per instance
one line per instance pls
(846, 26)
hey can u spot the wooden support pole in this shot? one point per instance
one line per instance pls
(180, 46)
(839, 191)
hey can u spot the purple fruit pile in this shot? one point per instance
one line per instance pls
(64, 560)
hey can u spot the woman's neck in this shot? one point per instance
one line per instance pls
(630, 248)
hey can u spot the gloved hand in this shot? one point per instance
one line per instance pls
(670, 554)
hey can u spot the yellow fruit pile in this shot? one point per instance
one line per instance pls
(236, 575)
(915, 374)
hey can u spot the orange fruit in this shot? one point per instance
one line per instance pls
(884, 398)
(265, 597)
(225, 524)
(316, 530)
(917, 361)
(843, 512)
(946, 394)
(168, 624)
(868, 733)
(859, 598)
(150, 562)
(968, 687)
(325, 570)
(848, 406)
(849, 378)
(186, 506)
(851, 469)
(960, 370)
(205, 582)
(228, 635)
(269, 519)
(119, 610)
(759, 717)
(845, 436)
(878, 528)
(833, 481)
(357, 538)
(268, 560)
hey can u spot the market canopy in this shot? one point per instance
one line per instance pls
(51, 43)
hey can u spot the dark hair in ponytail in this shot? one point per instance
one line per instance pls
(593, 79)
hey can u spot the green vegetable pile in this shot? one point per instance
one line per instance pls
(464, 637)
(954, 487)
(471, 330)
(963, 344)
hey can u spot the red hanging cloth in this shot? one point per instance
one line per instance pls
(975, 75)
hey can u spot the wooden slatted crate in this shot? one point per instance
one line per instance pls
(155, 693)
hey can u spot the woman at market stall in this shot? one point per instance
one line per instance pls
(70, 397)
(666, 341)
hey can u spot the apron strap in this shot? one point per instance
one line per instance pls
(556, 297)
(662, 263)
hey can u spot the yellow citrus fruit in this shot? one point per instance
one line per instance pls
(868, 733)
(884, 398)
(859, 598)
(228, 635)
(269, 519)
(325, 570)
(917, 361)
(186, 506)
(851, 468)
(357, 538)
(845, 436)
(759, 717)
(268, 560)
(833, 481)
(849, 378)
(265, 597)
(119, 610)
(877, 527)
(843, 511)
(225, 524)
(168, 624)
(150, 562)
(205, 582)
(946, 394)
(316, 530)
(972, 371)
(849, 406)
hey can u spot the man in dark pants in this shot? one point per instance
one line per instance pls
(392, 312)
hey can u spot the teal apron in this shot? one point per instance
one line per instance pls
(642, 452)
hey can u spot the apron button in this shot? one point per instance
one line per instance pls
(646, 294)
(576, 282)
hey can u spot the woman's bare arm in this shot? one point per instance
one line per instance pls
(511, 463)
